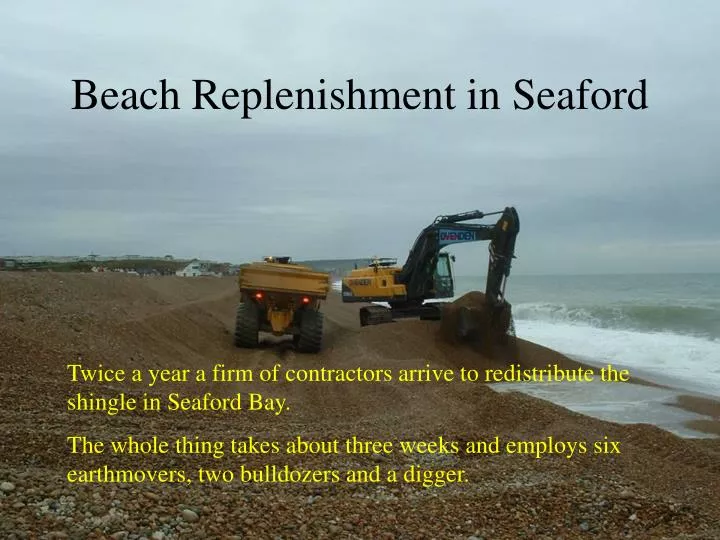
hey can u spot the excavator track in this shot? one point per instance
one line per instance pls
(380, 315)
(375, 315)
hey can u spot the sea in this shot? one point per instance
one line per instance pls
(662, 327)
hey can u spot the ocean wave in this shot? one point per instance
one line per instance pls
(685, 361)
(687, 320)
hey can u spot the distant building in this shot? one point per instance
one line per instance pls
(191, 270)
(197, 268)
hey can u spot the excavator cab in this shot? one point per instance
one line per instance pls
(443, 282)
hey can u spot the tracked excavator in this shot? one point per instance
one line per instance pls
(427, 274)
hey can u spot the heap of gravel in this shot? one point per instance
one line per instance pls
(660, 487)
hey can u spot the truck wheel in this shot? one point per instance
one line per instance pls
(311, 332)
(247, 326)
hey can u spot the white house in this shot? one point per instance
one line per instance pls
(195, 268)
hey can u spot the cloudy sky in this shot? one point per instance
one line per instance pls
(597, 191)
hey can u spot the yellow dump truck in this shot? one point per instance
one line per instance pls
(280, 297)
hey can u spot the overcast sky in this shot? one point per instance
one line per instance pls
(607, 191)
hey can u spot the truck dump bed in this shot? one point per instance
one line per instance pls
(284, 278)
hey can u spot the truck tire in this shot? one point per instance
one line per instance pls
(247, 325)
(311, 332)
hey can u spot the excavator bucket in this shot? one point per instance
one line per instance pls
(478, 322)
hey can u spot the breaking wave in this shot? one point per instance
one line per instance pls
(683, 361)
(699, 321)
